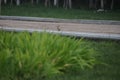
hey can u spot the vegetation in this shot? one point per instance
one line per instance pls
(25, 56)
(92, 4)
(41, 11)
(20, 56)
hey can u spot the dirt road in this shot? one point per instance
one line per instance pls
(75, 27)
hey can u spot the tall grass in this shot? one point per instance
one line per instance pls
(25, 56)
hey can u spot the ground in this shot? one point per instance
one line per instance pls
(76, 27)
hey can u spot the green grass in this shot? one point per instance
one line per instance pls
(41, 11)
(108, 52)
(38, 55)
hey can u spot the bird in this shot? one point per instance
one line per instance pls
(58, 27)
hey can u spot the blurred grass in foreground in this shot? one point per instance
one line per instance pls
(108, 52)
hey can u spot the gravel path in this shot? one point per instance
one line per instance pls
(72, 27)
